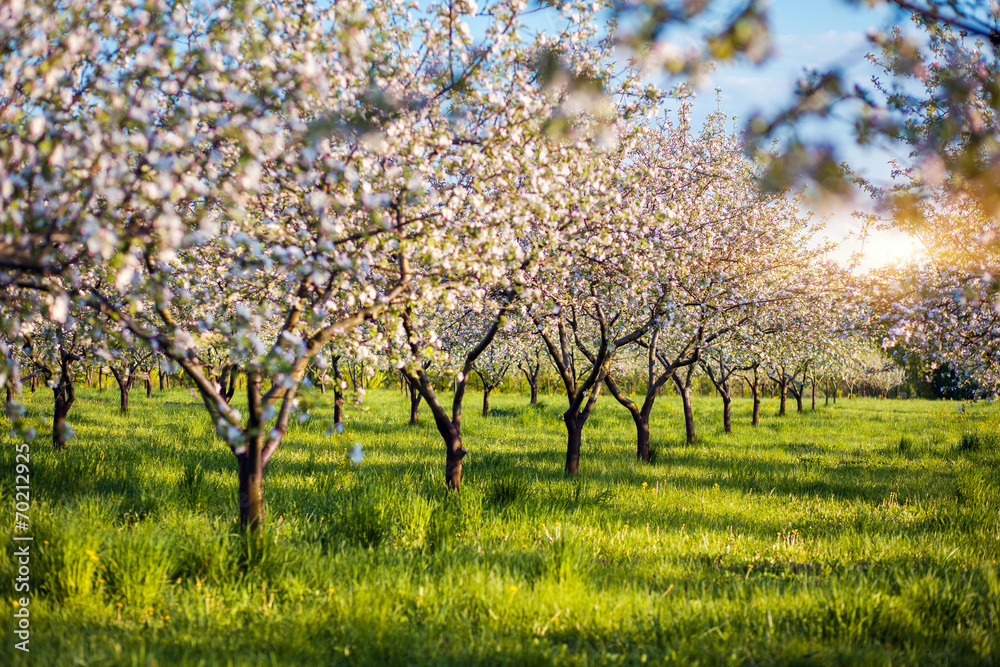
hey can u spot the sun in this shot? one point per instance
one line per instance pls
(887, 247)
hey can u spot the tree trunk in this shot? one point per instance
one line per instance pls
(684, 389)
(783, 386)
(250, 493)
(149, 387)
(124, 387)
(450, 428)
(814, 393)
(339, 384)
(688, 416)
(224, 383)
(727, 422)
(575, 417)
(414, 403)
(59, 419)
(532, 383)
(251, 484)
(486, 402)
(639, 417)
(454, 453)
(755, 395)
(227, 382)
(65, 395)
(338, 402)
(641, 436)
(798, 401)
(574, 432)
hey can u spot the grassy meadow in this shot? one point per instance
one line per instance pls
(866, 532)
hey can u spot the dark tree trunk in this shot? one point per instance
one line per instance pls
(100, 379)
(414, 403)
(59, 419)
(227, 382)
(250, 493)
(755, 395)
(574, 432)
(581, 405)
(149, 388)
(641, 436)
(486, 402)
(251, 485)
(783, 388)
(450, 428)
(727, 422)
(224, 382)
(160, 375)
(454, 453)
(352, 373)
(124, 387)
(532, 378)
(338, 405)
(338, 392)
(723, 387)
(814, 393)
(65, 395)
(639, 416)
(684, 389)
(688, 415)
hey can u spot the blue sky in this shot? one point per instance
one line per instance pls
(812, 34)
(820, 34)
(806, 34)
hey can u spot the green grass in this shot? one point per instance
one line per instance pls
(864, 533)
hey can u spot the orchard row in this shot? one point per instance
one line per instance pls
(275, 190)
